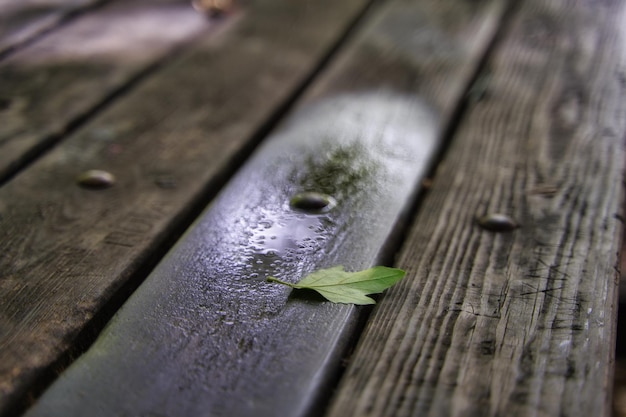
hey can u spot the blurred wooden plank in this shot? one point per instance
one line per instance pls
(519, 323)
(22, 20)
(52, 84)
(205, 335)
(65, 250)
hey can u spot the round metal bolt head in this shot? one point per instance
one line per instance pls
(312, 202)
(96, 179)
(497, 222)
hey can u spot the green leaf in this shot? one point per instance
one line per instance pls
(339, 286)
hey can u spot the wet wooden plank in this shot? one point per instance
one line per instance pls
(518, 323)
(205, 334)
(50, 85)
(207, 325)
(20, 21)
(66, 250)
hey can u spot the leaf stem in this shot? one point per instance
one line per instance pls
(276, 280)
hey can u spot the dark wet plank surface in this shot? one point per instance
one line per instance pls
(519, 323)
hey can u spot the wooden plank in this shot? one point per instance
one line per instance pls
(49, 86)
(519, 323)
(205, 335)
(66, 250)
(207, 325)
(20, 21)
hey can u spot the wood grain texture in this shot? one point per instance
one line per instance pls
(20, 21)
(518, 323)
(65, 250)
(249, 349)
(60, 79)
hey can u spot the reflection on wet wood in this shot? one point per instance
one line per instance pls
(518, 323)
(22, 20)
(66, 250)
(206, 317)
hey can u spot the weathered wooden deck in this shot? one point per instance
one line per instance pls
(144, 293)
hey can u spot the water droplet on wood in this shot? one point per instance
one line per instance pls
(96, 179)
(497, 222)
(312, 202)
